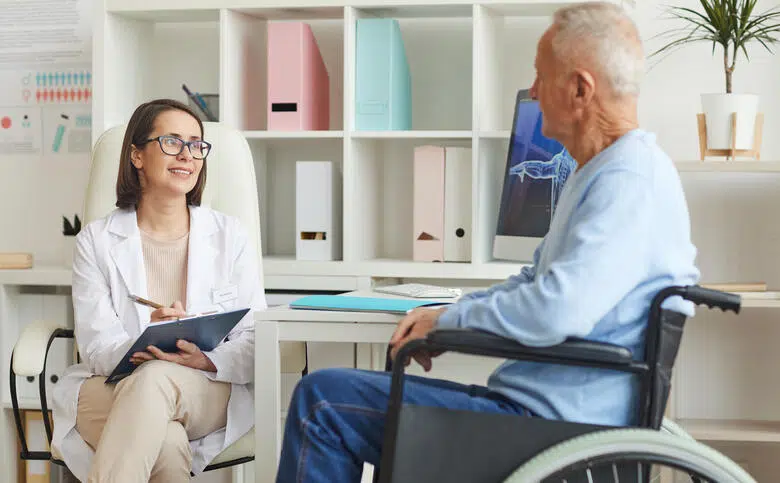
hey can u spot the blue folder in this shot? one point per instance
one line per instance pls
(383, 83)
(205, 331)
(345, 303)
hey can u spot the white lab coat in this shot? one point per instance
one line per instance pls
(108, 266)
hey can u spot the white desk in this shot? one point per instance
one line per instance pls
(284, 324)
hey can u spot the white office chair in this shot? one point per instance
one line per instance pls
(230, 188)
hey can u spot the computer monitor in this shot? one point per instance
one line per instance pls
(536, 169)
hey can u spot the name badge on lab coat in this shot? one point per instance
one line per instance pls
(224, 294)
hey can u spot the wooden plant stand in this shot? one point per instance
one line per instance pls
(732, 152)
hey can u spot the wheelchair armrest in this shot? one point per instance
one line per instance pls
(29, 354)
(572, 350)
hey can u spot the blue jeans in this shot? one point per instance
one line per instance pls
(337, 417)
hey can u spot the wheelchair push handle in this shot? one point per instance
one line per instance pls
(713, 298)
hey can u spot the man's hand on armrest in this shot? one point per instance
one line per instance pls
(416, 325)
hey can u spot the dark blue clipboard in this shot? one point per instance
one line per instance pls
(205, 331)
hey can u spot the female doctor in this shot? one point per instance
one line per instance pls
(176, 411)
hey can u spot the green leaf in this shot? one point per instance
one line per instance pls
(71, 229)
(67, 228)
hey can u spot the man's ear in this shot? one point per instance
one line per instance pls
(585, 88)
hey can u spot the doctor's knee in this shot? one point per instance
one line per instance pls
(150, 375)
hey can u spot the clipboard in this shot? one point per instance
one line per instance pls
(345, 303)
(205, 331)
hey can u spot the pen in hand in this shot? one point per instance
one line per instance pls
(156, 306)
(143, 301)
(161, 312)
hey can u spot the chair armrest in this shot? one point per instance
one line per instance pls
(28, 359)
(572, 350)
(29, 354)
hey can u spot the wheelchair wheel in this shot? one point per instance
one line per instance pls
(669, 426)
(620, 455)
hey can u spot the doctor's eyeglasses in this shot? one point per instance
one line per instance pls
(173, 146)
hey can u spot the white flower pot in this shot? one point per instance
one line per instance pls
(717, 110)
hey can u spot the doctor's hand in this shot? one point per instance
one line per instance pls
(189, 355)
(168, 313)
(416, 325)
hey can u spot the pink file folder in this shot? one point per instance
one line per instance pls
(298, 82)
(428, 204)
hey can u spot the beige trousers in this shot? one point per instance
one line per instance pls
(140, 428)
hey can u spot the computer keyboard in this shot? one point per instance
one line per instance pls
(420, 291)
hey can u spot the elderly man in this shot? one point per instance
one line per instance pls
(620, 233)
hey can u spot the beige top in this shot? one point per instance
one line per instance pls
(166, 268)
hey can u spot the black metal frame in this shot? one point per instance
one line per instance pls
(185, 144)
(26, 454)
(663, 335)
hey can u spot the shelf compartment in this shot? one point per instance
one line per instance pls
(380, 212)
(505, 50)
(405, 269)
(386, 267)
(443, 8)
(245, 68)
(274, 161)
(43, 276)
(732, 430)
(278, 135)
(152, 59)
(280, 266)
(439, 135)
(165, 14)
(430, 35)
(760, 299)
(729, 166)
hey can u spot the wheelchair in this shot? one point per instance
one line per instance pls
(430, 444)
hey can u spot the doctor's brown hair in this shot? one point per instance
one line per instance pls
(139, 128)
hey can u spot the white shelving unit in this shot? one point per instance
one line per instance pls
(467, 60)
(460, 55)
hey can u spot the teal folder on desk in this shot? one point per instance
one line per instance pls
(343, 303)
(383, 84)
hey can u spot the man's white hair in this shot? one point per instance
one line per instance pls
(602, 33)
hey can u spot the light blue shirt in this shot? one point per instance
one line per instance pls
(620, 233)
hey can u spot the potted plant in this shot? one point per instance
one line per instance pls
(733, 25)
(70, 230)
